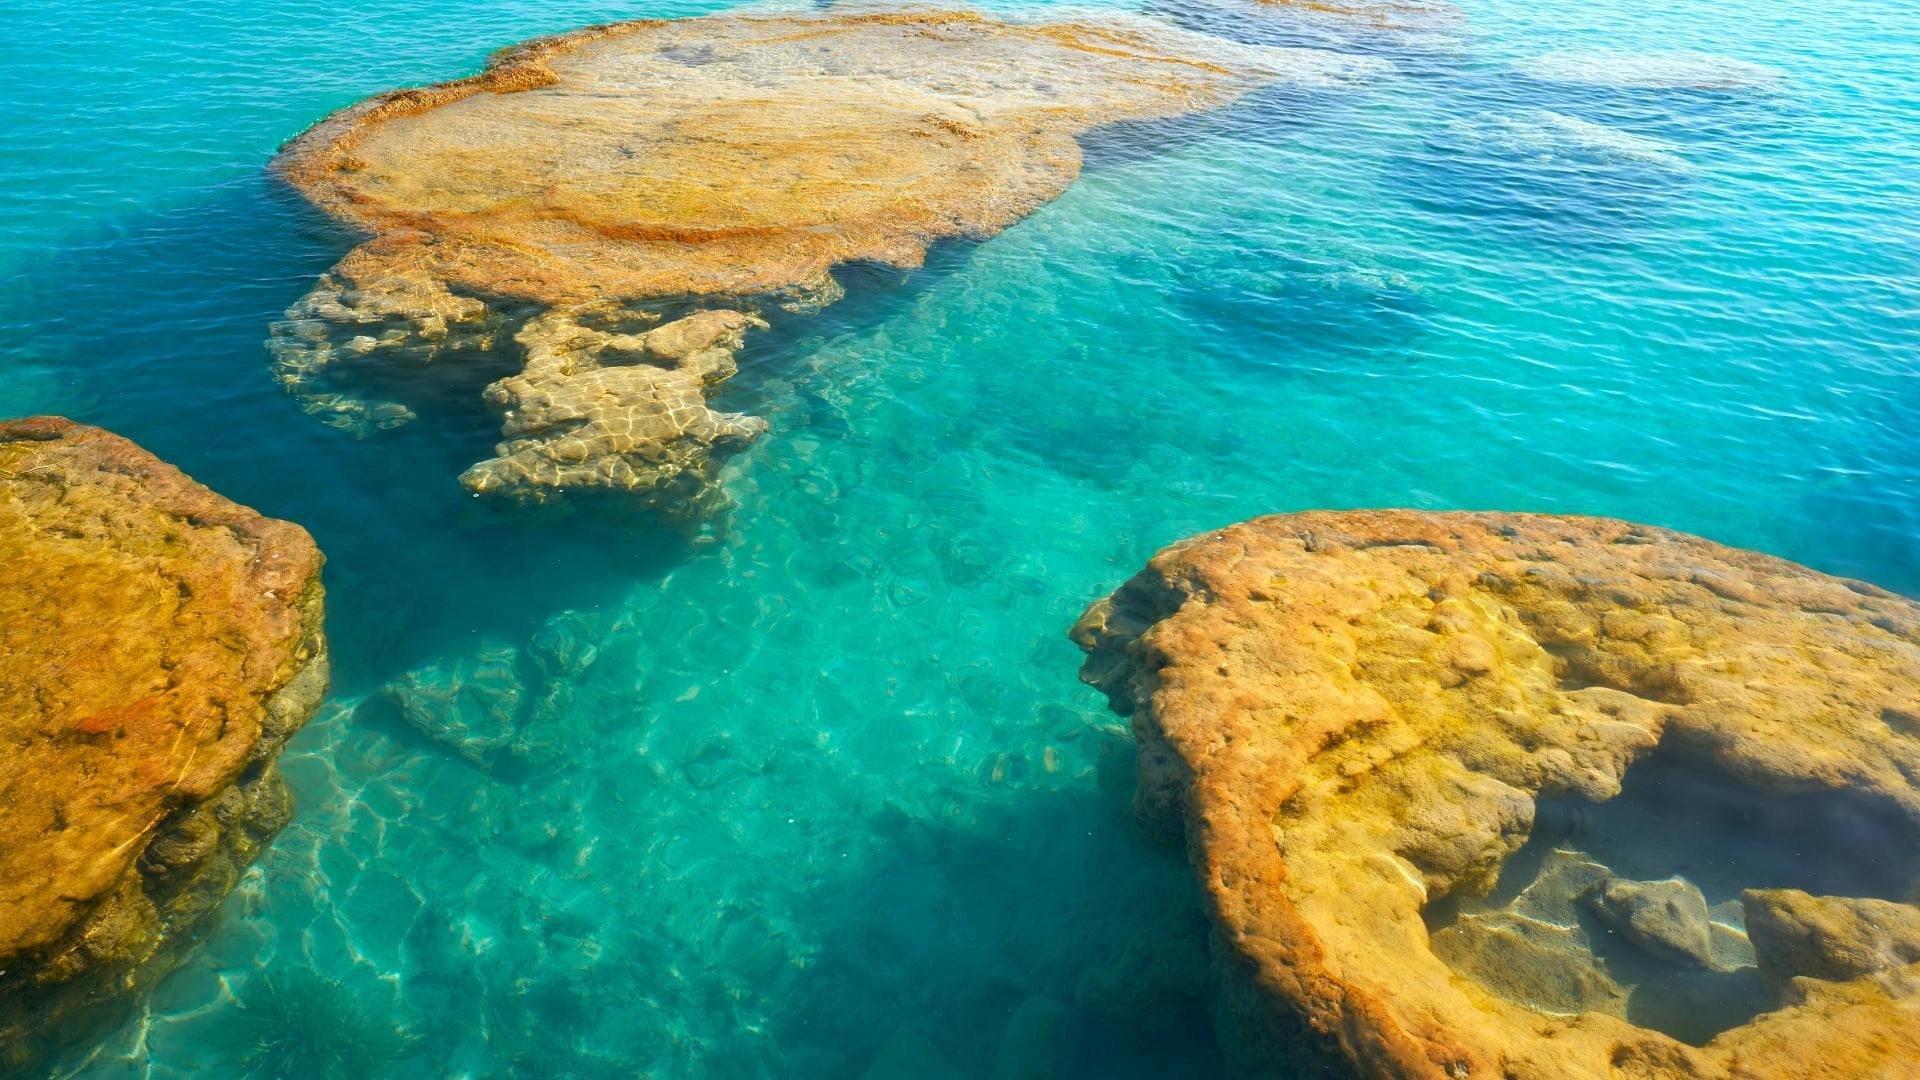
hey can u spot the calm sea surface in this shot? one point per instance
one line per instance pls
(823, 780)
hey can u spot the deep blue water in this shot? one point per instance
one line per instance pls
(824, 780)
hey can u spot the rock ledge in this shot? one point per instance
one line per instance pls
(1353, 718)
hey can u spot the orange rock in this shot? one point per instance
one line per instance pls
(1338, 761)
(157, 646)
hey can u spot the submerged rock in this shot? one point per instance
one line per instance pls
(1350, 717)
(158, 645)
(1543, 137)
(622, 411)
(1544, 965)
(584, 184)
(1378, 14)
(908, 1055)
(499, 705)
(1038, 1043)
(473, 705)
(1666, 918)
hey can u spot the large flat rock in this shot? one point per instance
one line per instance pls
(1349, 718)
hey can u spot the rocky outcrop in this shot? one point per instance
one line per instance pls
(717, 166)
(1356, 719)
(1829, 938)
(158, 645)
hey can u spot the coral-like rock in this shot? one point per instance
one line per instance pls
(626, 412)
(158, 644)
(729, 161)
(1352, 715)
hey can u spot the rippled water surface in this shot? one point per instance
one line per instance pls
(818, 793)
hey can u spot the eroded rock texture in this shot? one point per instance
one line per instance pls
(1355, 717)
(158, 644)
(584, 183)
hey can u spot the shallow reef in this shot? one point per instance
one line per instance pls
(621, 203)
(158, 645)
(1537, 797)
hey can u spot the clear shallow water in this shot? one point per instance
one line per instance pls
(827, 776)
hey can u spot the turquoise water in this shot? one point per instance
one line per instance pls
(823, 782)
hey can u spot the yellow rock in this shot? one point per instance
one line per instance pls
(1350, 716)
(158, 644)
(594, 179)
(1835, 939)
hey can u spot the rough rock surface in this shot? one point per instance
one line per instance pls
(1350, 715)
(1666, 918)
(1829, 937)
(158, 644)
(721, 162)
(598, 409)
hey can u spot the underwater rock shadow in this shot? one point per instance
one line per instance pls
(156, 324)
(1048, 938)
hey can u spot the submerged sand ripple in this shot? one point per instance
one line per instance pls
(726, 162)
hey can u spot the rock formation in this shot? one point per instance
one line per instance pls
(587, 185)
(1833, 939)
(158, 644)
(1357, 719)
